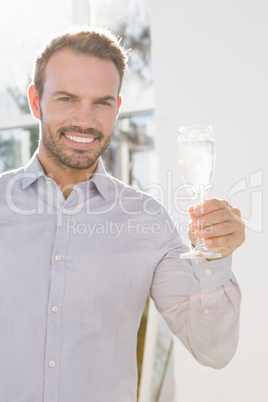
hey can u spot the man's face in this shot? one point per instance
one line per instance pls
(78, 109)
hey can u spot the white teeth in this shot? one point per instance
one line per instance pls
(79, 139)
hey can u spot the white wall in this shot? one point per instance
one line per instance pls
(210, 67)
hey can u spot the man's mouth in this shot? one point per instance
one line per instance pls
(79, 139)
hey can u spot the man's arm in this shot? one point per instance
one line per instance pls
(200, 300)
(207, 322)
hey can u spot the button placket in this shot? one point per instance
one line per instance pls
(57, 287)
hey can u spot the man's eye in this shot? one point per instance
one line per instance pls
(65, 99)
(103, 102)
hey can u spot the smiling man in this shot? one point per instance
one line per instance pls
(78, 107)
(81, 252)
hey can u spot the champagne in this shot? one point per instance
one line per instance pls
(196, 159)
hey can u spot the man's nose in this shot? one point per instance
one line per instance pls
(84, 117)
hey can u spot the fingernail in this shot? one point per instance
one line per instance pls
(196, 210)
(195, 224)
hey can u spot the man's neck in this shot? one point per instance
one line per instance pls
(65, 177)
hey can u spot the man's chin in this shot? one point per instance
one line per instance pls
(80, 164)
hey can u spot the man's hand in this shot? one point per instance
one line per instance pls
(218, 224)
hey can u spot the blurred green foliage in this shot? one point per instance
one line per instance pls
(9, 153)
(22, 102)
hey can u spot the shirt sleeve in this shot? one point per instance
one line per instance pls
(199, 300)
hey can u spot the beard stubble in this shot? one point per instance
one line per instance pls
(71, 158)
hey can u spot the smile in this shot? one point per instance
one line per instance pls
(79, 139)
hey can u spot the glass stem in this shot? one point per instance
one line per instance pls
(201, 199)
(199, 244)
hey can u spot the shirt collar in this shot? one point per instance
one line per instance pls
(101, 179)
(34, 170)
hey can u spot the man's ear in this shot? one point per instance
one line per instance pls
(119, 103)
(33, 98)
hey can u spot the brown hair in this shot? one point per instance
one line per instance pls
(98, 43)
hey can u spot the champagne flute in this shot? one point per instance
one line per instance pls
(196, 157)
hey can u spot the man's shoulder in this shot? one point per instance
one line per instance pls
(129, 194)
(126, 189)
(9, 174)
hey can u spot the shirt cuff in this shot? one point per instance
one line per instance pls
(212, 274)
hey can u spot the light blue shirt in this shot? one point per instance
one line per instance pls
(75, 274)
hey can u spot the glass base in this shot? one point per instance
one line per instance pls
(200, 253)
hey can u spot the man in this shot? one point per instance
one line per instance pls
(80, 251)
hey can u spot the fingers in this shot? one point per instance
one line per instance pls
(208, 206)
(213, 211)
(225, 244)
(219, 224)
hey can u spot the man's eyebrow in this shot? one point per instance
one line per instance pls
(107, 98)
(64, 93)
(102, 98)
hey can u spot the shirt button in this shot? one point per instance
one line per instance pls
(52, 363)
(64, 212)
(196, 261)
(55, 309)
(206, 311)
(208, 272)
(57, 257)
(48, 182)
